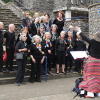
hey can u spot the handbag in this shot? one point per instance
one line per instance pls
(5, 56)
(19, 55)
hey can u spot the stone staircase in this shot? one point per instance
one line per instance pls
(10, 77)
(8, 17)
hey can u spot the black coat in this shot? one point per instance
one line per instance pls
(36, 53)
(79, 45)
(21, 45)
(94, 48)
(1, 41)
(34, 28)
(10, 40)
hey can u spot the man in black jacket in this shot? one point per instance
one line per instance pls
(10, 46)
(1, 45)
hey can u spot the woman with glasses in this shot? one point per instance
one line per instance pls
(21, 58)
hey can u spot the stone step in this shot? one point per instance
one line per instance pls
(11, 79)
(8, 17)
(10, 21)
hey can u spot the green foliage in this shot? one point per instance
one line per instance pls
(6, 1)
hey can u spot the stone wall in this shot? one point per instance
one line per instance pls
(38, 5)
(94, 18)
(83, 23)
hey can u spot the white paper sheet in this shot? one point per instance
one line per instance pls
(79, 54)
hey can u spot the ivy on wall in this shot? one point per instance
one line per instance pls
(6, 1)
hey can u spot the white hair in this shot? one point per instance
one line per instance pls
(62, 33)
(21, 35)
(36, 36)
(1, 23)
(54, 25)
(46, 33)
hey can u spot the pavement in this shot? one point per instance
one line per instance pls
(58, 89)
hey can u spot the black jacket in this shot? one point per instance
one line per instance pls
(60, 25)
(33, 28)
(79, 45)
(10, 39)
(21, 45)
(1, 41)
(94, 48)
(35, 52)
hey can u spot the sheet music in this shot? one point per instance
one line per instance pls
(79, 54)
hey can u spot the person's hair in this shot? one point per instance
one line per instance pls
(46, 34)
(21, 35)
(62, 32)
(36, 36)
(97, 36)
(54, 25)
(61, 12)
(47, 14)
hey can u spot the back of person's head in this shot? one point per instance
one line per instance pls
(11, 27)
(97, 36)
(1, 25)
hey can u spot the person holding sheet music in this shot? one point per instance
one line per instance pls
(79, 46)
(71, 44)
(48, 45)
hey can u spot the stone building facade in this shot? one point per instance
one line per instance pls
(76, 11)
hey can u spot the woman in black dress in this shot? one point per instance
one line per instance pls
(48, 49)
(59, 21)
(60, 50)
(37, 59)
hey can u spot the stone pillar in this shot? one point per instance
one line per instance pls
(94, 18)
(68, 15)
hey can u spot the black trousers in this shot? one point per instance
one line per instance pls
(1, 59)
(78, 65)
(35, 71)
(10, 57)
(69, 62)
(20, 71)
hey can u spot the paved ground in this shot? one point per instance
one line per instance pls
(52, 90)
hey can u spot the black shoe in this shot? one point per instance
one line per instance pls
(38, 80)
(31, 81)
